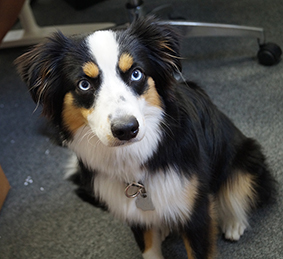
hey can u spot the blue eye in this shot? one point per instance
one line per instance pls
(136, 75)
(84, 85)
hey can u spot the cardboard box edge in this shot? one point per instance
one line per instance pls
(4, 187)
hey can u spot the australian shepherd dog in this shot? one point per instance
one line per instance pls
(157, 153)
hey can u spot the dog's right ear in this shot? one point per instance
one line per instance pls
(39, 70)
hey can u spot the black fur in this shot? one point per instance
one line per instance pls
(83, 178)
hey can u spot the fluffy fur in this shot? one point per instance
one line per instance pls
(114, 98)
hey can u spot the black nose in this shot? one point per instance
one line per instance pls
(125, 128)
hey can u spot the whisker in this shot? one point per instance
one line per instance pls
(170, 132)
(82, 135)
(89, 135)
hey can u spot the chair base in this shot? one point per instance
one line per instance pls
(18, 38)
(195, 29)
(268, 54)
(32, 33)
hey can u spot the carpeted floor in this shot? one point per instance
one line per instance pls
(42, 216)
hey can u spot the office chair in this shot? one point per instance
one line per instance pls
(268, 53)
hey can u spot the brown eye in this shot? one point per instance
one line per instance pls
(84, 85)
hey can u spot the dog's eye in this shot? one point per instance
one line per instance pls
(136, 75)
(84, 85)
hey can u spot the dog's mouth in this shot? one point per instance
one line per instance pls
(118, 143)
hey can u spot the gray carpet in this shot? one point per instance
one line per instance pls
(43, 218)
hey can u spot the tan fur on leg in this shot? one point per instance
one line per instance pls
(235, 200)
(152, 241)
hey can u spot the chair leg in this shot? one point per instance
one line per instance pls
(196, 29)
(268, 54)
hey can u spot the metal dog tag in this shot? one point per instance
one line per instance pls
(144, 202)
(143, 199)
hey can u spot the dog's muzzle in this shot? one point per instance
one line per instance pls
(125, 128)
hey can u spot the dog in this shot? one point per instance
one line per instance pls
(157, 153)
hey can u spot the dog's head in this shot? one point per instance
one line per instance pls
(112, 81)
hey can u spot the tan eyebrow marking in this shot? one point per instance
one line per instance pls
(151, 95)
(126, 61)
(90, 69)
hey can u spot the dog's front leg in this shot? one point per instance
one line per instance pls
(200, 232)
(149, 241)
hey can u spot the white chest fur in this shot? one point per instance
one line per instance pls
(172, 193)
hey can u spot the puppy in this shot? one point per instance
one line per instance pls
(158, 154)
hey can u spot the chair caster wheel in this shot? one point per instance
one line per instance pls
(269, 54)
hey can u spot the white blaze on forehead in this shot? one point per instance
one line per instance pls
(105, 49)
(108, 105)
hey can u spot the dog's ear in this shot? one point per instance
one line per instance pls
(162, 41)
(39, 70)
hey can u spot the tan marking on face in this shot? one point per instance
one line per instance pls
(151, 95)
(90, 69)
(74, 117)
(148, 239)
(126, 61)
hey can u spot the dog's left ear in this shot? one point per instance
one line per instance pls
(39, 69)
(162, 41)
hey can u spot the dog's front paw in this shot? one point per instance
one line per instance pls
(234, 231)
